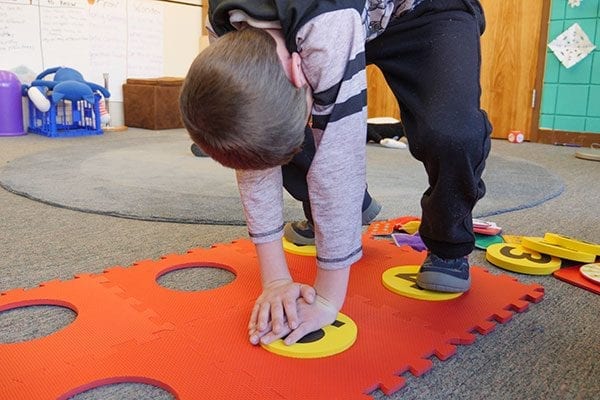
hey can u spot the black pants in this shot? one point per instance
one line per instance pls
(294, 175)
(431, 60)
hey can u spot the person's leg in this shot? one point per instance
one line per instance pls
(294, 181)
(294, 173)
(431, 60)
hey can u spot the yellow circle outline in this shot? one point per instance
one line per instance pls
(573, 244)
(521, 264)
(336, 338)
(538, 244)
(409, 288)
(308, 250)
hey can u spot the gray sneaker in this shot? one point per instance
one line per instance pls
(444, 275)
(302, 233)
(197, 151)
(371, 212)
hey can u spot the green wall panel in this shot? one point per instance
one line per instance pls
(592, 124)
(587, 9)
(549, 99)
(596, 68)
(571, 97)
(564, 123)
(557, 10)
(594, 101)
(572, 100)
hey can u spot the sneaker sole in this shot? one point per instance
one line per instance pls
(197, 151)
(440, 282)
(371, 212)
(293, 237)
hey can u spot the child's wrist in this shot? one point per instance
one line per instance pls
(273, 266)
(276, 282)
(327, 304)
(331, 285)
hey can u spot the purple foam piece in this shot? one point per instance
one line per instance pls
(413, 241)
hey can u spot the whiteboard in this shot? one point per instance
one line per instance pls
(106, 40)
(64, 27)
(19, 36)
(108, 47)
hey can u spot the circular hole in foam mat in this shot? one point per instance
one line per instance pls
(25, 323)
(196, 278)
(124, 391)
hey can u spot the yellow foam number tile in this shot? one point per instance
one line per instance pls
(572, 244)
(402, 280)
(516, 258)
(512, 239)
(332, 339)
(539, 244)
(308, 250)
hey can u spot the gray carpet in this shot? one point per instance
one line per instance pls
(550, 352)
(157, 178)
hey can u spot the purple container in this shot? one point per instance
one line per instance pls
(11, 106)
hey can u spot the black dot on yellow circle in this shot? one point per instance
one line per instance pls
(307, 250)
(332, 339)
(402, 280)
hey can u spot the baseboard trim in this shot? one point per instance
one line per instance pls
(548, 136)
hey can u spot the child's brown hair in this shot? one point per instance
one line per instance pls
(239, 106)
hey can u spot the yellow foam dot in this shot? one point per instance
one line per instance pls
(307, 250)
(538, 244)
(572, 244)
(332, 339)
(512, 239)
(516, 258)
(402, 280)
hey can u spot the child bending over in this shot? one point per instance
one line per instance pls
(277, 64)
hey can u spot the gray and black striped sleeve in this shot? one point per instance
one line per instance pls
(332, 50)
(262, 201)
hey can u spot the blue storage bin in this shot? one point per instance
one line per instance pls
(66, 118)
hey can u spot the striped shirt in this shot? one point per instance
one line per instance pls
(331, 44)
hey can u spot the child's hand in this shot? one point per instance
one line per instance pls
(275, 310)
(313, 317)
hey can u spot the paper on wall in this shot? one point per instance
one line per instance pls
(571, 46)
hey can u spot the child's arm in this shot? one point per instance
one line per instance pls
(262, 199)
(331, 288)
(275, 310)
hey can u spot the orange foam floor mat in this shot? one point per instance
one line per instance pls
(194, 344)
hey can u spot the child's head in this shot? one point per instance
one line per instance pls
(239, 105)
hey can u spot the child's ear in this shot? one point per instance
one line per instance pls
(297, 74)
